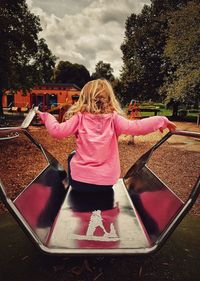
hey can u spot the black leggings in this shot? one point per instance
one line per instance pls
(91, 201)
(88, 187)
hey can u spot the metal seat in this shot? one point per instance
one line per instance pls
(113, 225)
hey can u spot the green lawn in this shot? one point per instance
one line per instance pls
(191, 116)
(163, 112)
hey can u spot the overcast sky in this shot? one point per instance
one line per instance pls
(85, 31)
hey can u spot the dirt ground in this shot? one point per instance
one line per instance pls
(176, 162)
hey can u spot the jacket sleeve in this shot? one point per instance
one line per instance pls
(59, 130)
(139, 127)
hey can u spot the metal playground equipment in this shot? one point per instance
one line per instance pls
(136, 217)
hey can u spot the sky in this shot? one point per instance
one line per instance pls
(85, 31)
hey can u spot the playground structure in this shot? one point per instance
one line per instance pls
(51, 97)
(61, 109)
(134, 110)
(136, 217)
(15, 109)
(134, 113)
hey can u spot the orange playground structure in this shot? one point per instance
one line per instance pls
(49, 97)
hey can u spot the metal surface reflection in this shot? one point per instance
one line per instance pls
(40, 202)
(155, 203)
(98, 221)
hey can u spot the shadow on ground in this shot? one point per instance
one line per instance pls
(177, 260)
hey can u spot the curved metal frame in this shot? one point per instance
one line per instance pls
(10, 136)
(143, 160)
(134, 169)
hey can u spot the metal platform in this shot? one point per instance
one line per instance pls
(117, 227)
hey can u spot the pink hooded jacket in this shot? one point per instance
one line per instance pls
(97, 157)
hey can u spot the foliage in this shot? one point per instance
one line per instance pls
(118, 87)
(103, 70)
(182, 49)
(67, 72)
(145, 66)
(44, 63)
(160, 7)
(141, 55)
(24, 59)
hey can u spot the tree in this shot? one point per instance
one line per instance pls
(44, 63)
(182, 49)
(118, 89)
(24, 59)
(103, 70)
(67, 72)
(144, 66)
(161, 7)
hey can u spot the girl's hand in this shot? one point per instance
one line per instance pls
(41, 115)
(170, 126)
(38, 112)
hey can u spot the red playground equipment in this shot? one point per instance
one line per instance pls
(63, 108)
(134, 110)
(134, 113)
(60, 109)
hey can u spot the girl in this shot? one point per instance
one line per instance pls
(97, 120)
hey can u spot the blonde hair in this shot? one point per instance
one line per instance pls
(96, 97)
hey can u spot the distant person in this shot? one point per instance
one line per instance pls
(96, 120)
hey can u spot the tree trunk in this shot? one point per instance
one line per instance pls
(175, 109)
(1, 102)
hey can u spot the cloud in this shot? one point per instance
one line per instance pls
(85, 33)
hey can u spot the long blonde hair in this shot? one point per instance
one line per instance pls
(96, 97)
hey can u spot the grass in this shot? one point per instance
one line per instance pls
(163, 112)
(191, 116)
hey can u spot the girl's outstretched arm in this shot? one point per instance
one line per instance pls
(56, 129)
(143, 126)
